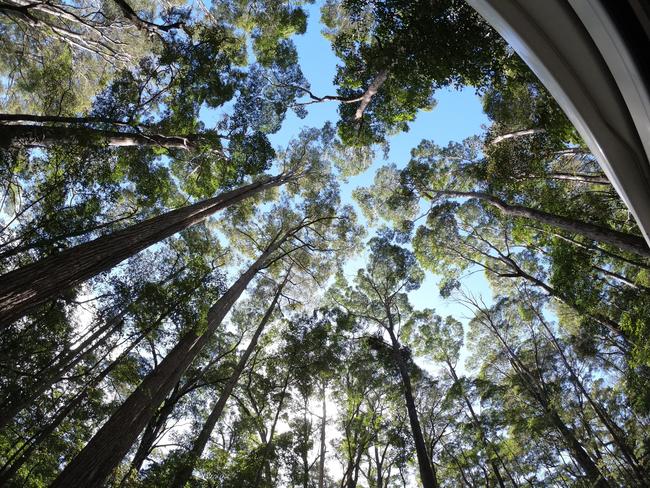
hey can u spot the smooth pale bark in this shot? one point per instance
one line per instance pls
(25, 288)
(516, 134)
(60, 119)
(108, 446)
(370, 92)
(626, 242)
(427, 471)
(27, 135)
(184, 473)
(581, 177)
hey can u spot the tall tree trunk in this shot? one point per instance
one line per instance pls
(578, 452)
(618, 434)
(264, 463)
(627, 242)
(487, 445)
(19, 458)
(427, 471)
(29, 135)
(323, 446)
(108, 446)
(25, 288)
(54, 373)
(531, 383)
(184, 473)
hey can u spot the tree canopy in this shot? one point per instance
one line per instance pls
(206, 282)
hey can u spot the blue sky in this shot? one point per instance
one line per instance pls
(458, 114)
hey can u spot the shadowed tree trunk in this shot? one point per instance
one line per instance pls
(427, 471)
(18, 458)
(108, 446)
(23, 135)
(25, 288)
(184, 473)
(626, 242)
(531, 384)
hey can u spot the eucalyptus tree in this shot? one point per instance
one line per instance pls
(380, 298)
(283, 233)
(395, 54)
(35, 283)
(529, 369)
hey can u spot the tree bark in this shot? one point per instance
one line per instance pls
(531, 383)
(323, 447)
(516, 134)
(622, 240)
(51, 375)
(108, 446)
(25, 288)
(19, 458)
(427, 471)
(477, 424)
(142, 24)
(27, 135)
(184, 473)
(370, 92)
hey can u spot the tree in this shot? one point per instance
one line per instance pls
(380, 297)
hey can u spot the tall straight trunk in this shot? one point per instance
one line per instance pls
(532, 384)
(323, 446)
(578, 452)
(108, 446)
(25, 288)
(621, 240)
(31, 135)
(184, 473)
(54, 373)
(427, 471)
(264, 463)
(618, 434)
(19, 458)
(477, 424)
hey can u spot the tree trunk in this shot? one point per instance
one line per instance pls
(531, 383)
(427, 472)
(28, 135)
(578, 452)
(53, 374)
(184, 473)
(372, 90)
(25, 288)
(618, 435)
(477, 424)
(517, 134)
(19, 458)
(627, 242)
(108, 446)
(323, 447)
